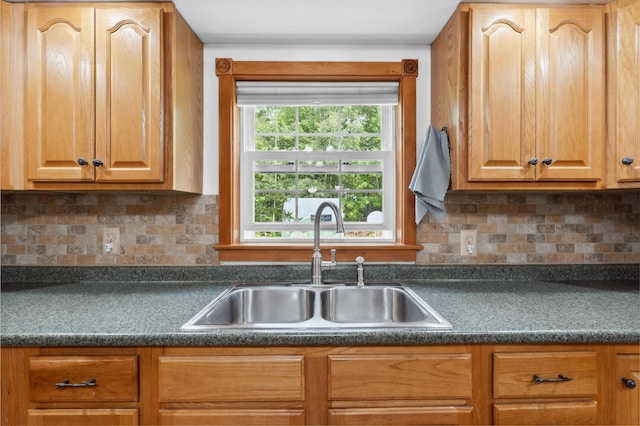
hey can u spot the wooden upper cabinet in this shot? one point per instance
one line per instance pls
(87, 105)
(114, 98)
(60, 95)
(129, 94)
(503, 87)
(623, 103)
(521, 91)
(570, 94)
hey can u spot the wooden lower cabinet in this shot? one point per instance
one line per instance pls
(412, 385)
(222, 386)
(74, 386)
(557, 385)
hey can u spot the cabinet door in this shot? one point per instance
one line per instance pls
(400, 416)
(60, 99)
(570, 93)
(627, 66)
(129, 139)
(502, 92)
(627, 400)
(546, 413)
(83, 417)
(210, 417)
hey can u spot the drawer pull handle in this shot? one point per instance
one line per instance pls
(561, 378)
(83, 384)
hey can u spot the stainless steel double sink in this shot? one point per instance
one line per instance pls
(295, 306)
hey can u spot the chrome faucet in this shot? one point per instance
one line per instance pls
(317, 264)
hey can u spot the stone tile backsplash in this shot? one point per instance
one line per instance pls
(177, 229)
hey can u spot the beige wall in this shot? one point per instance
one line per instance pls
(522, 228)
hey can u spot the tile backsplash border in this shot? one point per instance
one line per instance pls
(600, 227)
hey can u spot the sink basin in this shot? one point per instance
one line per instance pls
(371, 304)
(257, 305)
(297, 306)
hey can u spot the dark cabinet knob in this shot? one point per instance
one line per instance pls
(97, 163)
(627, 160)
(547, 161)
(533, 161)
(629, 383)
(82, 161)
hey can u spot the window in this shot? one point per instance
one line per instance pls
(305, 143)
(293, 134)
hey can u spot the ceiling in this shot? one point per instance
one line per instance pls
(323, 21)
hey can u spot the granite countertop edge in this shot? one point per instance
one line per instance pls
(355, 338)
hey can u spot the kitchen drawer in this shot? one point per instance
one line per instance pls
(231, 378)
(547, 413)
(400, 415)
(116, 378)
(208, 417)
(513, 374)
(83, 417)
(398, 376)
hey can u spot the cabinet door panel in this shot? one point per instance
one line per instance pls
(129, 94)
(400, 415)
(547, 413)
(207, 417)
(502, 93)
(570, 93)
(83, 417)
(60, 100)
(626, 123)
(627, 400)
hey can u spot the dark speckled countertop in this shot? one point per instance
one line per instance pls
(143, 306)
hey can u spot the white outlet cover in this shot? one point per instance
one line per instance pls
(468, 242)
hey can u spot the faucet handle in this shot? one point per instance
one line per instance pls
(329, 264)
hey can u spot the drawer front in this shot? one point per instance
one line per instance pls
(400, 416)
(231, 378)
(97, 416)
(116, 378)
(207, 417)
(513, 374)
(550, 413)
(359, 377)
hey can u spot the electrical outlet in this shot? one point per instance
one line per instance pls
(111, 240)
(468, 242)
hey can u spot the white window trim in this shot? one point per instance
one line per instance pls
(248, 156)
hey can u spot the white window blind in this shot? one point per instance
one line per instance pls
(260, 93)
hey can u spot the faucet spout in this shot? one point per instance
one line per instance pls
(317, 263)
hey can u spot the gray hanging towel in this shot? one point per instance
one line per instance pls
(433, 171)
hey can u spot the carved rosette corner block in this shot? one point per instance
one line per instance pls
(410, 67)
(223, 66)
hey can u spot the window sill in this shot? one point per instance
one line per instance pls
(303, 253)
